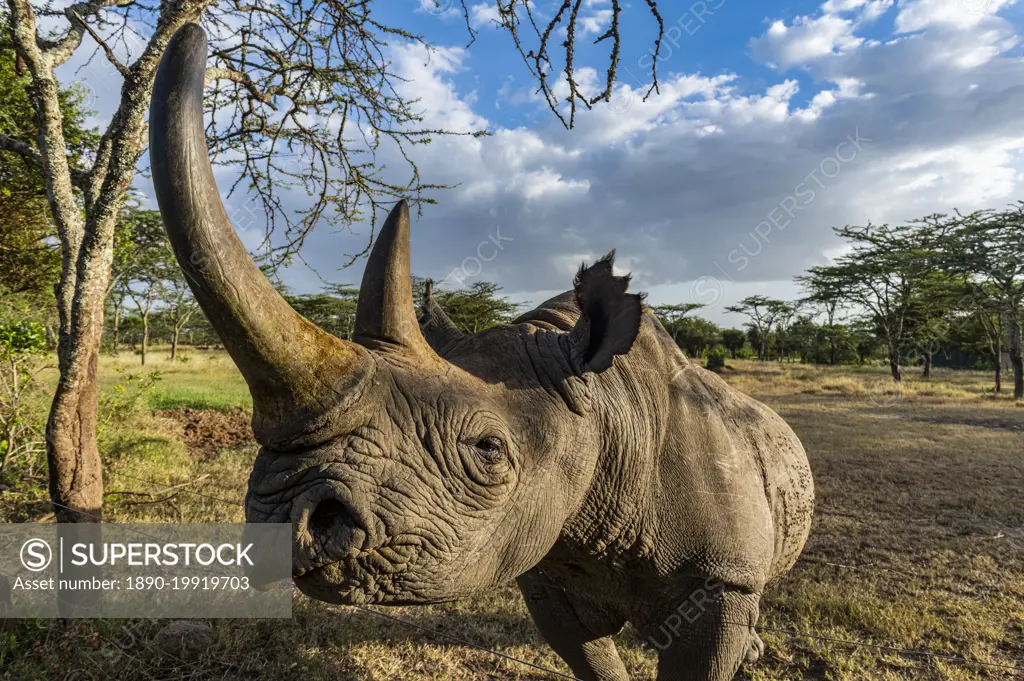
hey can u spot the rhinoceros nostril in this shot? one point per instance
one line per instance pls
(330, 513)
(335, 528)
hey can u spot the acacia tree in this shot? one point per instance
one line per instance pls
(144, 280)
(764, 313)
(733, 340)
(29, 257)
(988, 311)
(333, 310)
(671, 316)
(276, 64)
(827, 300)
(144, 292)
(476, 308)
(784, 327)
(181, 304)
(992, 253)
(130, 246)
(695, 335)
(277, 69)
(934, 315)
(885, 274)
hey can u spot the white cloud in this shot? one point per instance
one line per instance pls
(873, 10)
(424, 78)
(689, 183)
(866, 10)
(596, 23)
(848, 88)
(597, 17)
(484, 14)
(836, 6)
(916, 15)
(806, 39)
(693, 182)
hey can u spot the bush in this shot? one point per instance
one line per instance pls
(747, 353)
(716, 358)
(126, 398)
(22, 353)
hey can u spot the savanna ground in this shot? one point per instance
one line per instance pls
(918, 543)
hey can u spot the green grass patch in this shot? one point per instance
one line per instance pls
(206, 380)
(217, 398)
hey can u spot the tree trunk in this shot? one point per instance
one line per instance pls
(894, 368)
(1018, 375)
(174, 343)
(999, 360)
(145, 337)
(76, 476)
(117, 327)
(927, 372)
(1016, 358)
(76, 481)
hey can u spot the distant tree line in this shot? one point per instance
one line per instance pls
(946, 288)
(942, 286)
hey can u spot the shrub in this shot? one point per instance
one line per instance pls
(128, 396)
(22, 350)
(747, 353)
(716, 357)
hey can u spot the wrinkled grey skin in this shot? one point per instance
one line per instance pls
(575, 450)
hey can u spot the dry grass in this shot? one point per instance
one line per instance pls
(918, 543)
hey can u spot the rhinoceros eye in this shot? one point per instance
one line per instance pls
(491, 449)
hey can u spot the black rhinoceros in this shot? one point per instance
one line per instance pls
(575, 450)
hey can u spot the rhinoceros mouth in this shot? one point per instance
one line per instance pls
(362, 581)
(337, 561)
(391, 560)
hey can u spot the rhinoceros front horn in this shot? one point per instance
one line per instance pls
(297, 373)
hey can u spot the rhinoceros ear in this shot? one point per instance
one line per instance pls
(609, 317)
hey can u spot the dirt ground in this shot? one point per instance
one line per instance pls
(207, 432)
(915, 560)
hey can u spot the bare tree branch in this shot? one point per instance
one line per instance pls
(59, 51)
(75, 18)
(213, 74)
(517, 14)
(308, 101)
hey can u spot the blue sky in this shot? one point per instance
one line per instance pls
(774, 124)
(714, 40)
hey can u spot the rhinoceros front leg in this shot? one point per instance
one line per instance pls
(707, 638)
(578, 632)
